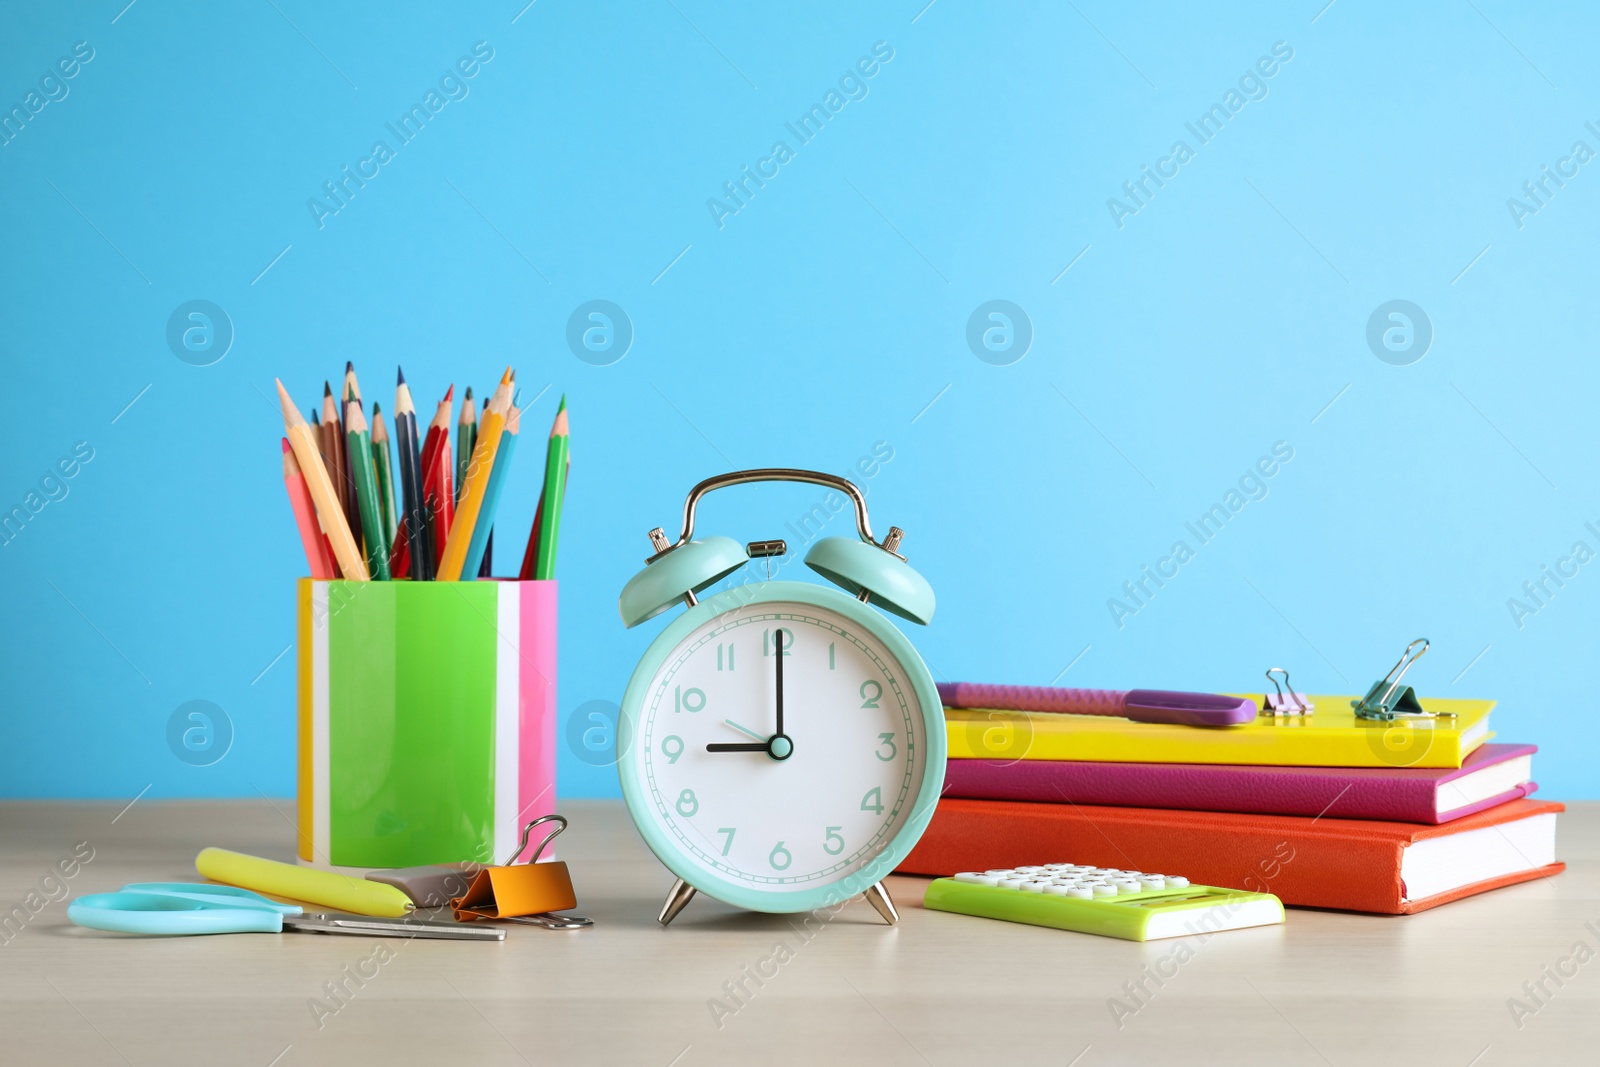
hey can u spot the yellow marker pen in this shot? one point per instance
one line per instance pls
(327, 888)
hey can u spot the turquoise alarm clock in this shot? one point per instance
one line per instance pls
(788, 743)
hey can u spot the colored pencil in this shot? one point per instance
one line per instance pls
(399, 547)
(350, 390)
(555, 479)
(316, 430)
(430, 443)
(491, 496)
(333, 448)
(383, 464)
(417, 535)
(320, 486)
(530, 555)
(488, 545)
(358, 446)
(318, 557)
(466, 438)
(470, 505)
(436, 472)
(400, 553)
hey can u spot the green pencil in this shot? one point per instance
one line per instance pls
(382, 458)
(466, 440)
(555, 477)
(359, 447)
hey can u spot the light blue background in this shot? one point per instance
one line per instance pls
(828, 315)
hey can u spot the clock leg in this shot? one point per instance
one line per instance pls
(878, 897)
(677, 899)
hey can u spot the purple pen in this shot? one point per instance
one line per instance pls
(1140, 705)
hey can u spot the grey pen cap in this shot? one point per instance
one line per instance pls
(432, 886)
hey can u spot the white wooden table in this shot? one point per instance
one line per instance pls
(1327, 988)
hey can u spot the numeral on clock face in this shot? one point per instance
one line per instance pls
(688, 803)
(886, 750)
(872, 802)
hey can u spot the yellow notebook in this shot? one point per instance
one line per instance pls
(1331, 736)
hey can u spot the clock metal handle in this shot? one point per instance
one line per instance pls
(779, 474)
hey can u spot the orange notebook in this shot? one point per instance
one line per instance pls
(1356, 864)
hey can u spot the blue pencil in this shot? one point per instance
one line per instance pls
(491, 493)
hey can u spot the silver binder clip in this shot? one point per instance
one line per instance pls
(1388, 700)
(1285, 701)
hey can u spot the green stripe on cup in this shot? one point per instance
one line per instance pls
(411, 714)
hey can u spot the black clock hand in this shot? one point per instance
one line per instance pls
(778, 648)
(738, 746)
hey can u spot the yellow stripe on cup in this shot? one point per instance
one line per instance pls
(340, 891)
(303, 710)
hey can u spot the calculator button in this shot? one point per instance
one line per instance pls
(1076, 881)
(977, 879)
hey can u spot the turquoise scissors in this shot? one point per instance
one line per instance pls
(194, 908)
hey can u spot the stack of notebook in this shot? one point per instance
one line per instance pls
(1323, 810)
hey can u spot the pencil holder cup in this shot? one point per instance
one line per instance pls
(427, 719)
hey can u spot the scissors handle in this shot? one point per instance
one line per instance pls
(140, 912)
(216, 894)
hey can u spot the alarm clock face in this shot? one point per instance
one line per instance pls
(774, 819)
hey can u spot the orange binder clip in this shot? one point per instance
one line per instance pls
(525, 892)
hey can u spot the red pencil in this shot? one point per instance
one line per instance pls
(400, 554)
(436, 467)
(318, 554)
(530, 555)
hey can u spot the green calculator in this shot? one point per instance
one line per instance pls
(1103, 900)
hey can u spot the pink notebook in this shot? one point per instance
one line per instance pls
(1489, 776)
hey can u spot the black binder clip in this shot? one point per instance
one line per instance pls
(1285, 701)
(1388, 700)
